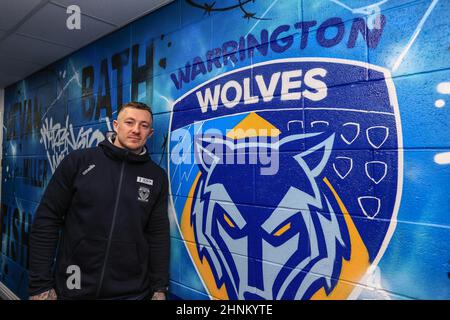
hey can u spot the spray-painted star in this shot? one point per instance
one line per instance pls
(209, 7)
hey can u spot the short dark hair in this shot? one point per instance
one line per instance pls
(136, 105)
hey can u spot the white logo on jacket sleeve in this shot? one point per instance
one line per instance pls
(92, 166)
(145, 181)
(143, 194)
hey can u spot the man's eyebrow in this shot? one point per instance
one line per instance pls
(131, 118)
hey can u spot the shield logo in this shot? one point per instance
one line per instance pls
(143, 194)
(287, 177)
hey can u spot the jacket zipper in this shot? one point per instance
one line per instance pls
(111, 231)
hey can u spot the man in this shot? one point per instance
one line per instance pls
(101, 230)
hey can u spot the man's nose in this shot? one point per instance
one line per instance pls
(136, 129)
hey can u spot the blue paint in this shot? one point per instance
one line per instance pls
(167, 56)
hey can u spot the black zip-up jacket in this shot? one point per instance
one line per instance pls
(111, 206)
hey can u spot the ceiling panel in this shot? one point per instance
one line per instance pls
(6, 79)
(32, 50)
(33, 33)
(13, 66)
(12, 11)
(49, 23)
(118, 12)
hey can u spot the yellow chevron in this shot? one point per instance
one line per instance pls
(202, 266)
(355, 268)
(253, 126)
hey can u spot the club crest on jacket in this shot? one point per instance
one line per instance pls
(143, 193)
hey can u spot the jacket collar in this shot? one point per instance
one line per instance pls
(122, 154)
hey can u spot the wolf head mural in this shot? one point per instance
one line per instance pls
(300, 203)
(225, 227)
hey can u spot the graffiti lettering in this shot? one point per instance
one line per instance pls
(280, 40)
(31, 171)
(59, 140)
(15, 233)
(93, 106)
(24, 118)
(35, 172)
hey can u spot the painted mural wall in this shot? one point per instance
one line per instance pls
(307, 143)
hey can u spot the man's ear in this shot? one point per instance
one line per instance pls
(115, 125)
(151, 132)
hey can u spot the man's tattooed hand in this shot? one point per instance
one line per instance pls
(47, 295)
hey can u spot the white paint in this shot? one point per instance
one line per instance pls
(372, 286)
(372, 163)
(372, 11)
(442, 158)
(294, 121)
(74, 77)
(361, 204)
(287, 83)
(444, 87)
(319, 121)
(350, 169)
(262, 17)
(439, 103)
(237, 94)
(13, 149)
(60, 139)
(209, 98)
(356, 135)
(368, 135)
(414, 36)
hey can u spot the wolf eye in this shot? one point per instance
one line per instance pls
(228, 220)
(282, 230)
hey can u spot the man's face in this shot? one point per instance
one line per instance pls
(133, 128)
